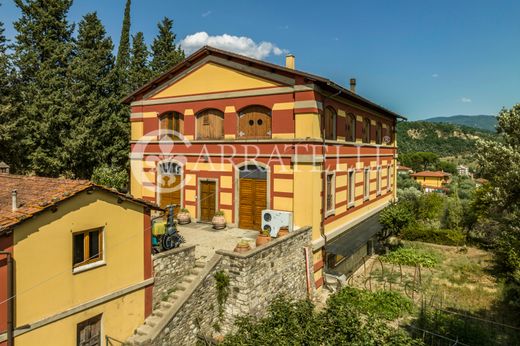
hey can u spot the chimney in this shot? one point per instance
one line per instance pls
(353, 85)
(14, 201)
(289, 61)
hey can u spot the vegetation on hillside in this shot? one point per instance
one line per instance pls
(440, 138)
(483, 122)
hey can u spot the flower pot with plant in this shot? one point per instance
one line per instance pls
(263, 238)
(219, 221)
(242, 246)
(183, 216)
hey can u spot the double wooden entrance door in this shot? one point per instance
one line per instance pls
(253, 199)
(207, 200)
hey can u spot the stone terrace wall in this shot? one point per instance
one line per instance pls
(255, 279)
(169, 268)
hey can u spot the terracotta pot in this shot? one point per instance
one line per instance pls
(262, 239)
(283, 232)
(183, 218)
(242, 247)
(219, 222)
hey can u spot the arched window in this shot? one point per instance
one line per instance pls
(350, 131)
(330, 123)
(366, 130)
(254, 122)
(379, 133)
(170, 125)
(210, 124)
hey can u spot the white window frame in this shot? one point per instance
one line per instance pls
(388, 178)
(366, 186)
(379, 181)
(332, 210)
(351, 188)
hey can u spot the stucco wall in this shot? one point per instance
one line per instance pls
(255, 279)
(169, 268)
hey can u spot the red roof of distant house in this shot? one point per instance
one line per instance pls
(36, 194)
(404, 168)
(481, 181)
(436, 174)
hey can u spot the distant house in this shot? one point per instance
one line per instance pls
(4, 168)
(432, 181)
(404, 170)
(82, 256)
(463, 170)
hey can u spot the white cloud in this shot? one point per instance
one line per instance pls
(238, 44)
(205, 14)
(435, 75)
(466, 100)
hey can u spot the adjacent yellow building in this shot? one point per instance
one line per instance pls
(82, 258)
(431, 181)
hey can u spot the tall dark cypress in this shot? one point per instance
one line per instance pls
(123, 51)
(164, 50)
(42, 53)
(139, 72)
(95, 98)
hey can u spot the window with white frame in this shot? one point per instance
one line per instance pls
(329, 207)
(366, 187)
(389, 177)
(87, 247)
(378, 181)
(351, 188)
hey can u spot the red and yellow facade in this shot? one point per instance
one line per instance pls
(293, 153)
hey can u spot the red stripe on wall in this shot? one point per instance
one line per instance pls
(6, 244)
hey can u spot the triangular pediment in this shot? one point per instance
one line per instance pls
(212, 77)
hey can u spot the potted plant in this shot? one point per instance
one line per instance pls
(183, 216)
(263, 237)
(242, 246)
(219, 221)
(283, 231)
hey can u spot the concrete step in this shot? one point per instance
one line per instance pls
(200, 264)
(143, 330)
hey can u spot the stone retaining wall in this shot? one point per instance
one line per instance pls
(169, 268)
(255, 279)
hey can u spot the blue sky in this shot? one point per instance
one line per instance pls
(418, 58)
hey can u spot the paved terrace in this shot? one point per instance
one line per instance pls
(208, 240)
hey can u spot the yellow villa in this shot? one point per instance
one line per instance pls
(431, 181)
(75, 262)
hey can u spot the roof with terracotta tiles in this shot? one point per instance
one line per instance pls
(36, 194)
(436, 174)
(404, 168)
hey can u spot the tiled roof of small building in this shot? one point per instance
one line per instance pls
(35, 194)
(430, 174)
(404, 168)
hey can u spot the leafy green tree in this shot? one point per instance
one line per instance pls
(165, 53)
(420, 161)
(139, 73)
(42, 53)
(123, 51)
(95, 98)
(447, 167)
(500, 164)
(110, 176)
(404, 181)
(430, 207)
(396, 217)
(453, 214)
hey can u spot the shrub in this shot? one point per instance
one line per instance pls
(424, 233)
(395, 218)
(111, 176)
(413, 256)
(430, 206)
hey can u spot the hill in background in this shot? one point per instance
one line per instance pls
(441, 138)
(484, 122)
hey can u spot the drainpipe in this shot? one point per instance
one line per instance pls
(10, 303)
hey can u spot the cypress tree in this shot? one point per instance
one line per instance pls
(164, 50)
(139, 72)
(123, 52)
(94, 97)
(42, 53)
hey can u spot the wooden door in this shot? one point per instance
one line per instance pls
(170, 191)
(252, 200)
(210, 124)
(254, 123)
(89, 332)
(207, 200)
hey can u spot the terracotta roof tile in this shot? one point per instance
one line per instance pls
(35, 194)
(430, 174)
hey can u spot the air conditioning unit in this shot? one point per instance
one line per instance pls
(273, 220)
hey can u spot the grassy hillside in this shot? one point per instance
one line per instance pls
(440, 138)
(483, 122)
